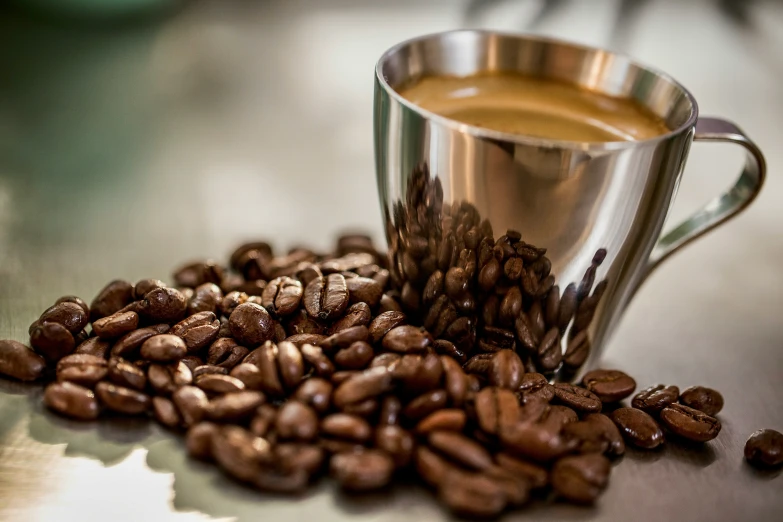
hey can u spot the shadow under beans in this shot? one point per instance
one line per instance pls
(760, 473)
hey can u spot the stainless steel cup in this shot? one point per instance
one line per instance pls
(597, 208)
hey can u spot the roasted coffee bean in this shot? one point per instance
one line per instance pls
(525, 333)
(85, 370)
(251, 325)
(116, 325)
(425, 404)
(471, 495)
(513, 268)
(296, 421)
(94, 346)
(362, 471)
(326, 297)
(282, 296)
(579, 399)
(690, 423)
(316, 358)
(455, 282)
(407, 339)
(389, 304)
(198, 273)
(240, 453)
(71, 400)
(536, 476)
(506, 370)
(590, 438)
(123, 373)
(20, 362)
(533, 410)
(306, 272)
(489, 274)
(163, 348)
(166, 413)
(265, 358)
(186, 291)
(364, 385)
(290, 364)
(568, 304)
(208, 369)
(577, 350)
(253, 250)
(192, 361)
(347, 263)
(263, 421)
(447, 419)
(638, 427)
(165, 379)
(358, 314)
(128, 345)
(356, 357)
(431, 467)
(71, 315)
(249, 374)
(345, 338)
(302, 339)
(346, 427)
(110, 299)
(433, 288)
(549, 351)
(316, 393)
(301, 323)
(163, 305)
(277, 480)
(192, 404)
(497, 410)
(292, 457)
(655, 398)
(76, 300)
(364, 290)
(216, 384)
(479, 364)
(417, 374)
(230, 302)
(226, 353)
(206, 297)
(609, 432)
(609, 385)
(536, 385)
(198, 330)
(539, 442)
(495, 339)
(52, 340)
(198, 440)
(764, 448)
(556, 415)
(510, 306)
(141, 288)
(397, 442)
(461, 449)
(121, 399)
(234, 407)
(581, 478)
(516, 489)
(703, 399)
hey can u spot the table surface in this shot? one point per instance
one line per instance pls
(125, 150)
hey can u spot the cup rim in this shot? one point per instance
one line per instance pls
(519, 139)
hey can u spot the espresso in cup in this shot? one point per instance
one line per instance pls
(518, 104)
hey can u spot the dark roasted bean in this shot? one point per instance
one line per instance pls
(577, 350)
(326, 297)
(346, 427)
(264, 420)
(356, 357)
(165, 379)
(536, 385)
(316, 393)
(144, 286)
(302, 339)
(206, 298)
(249, 374)
(345, 338)
(116, 325)
(549, 351)
(479, 364)
(83, 369)
(529, 340)
(198, 273)
(638, 427)
(577, 398)
(568, 305)
(234, 407)
(71, 400)
(320, 363)
(506, 370)
(364, 385)
(129, 344)
(460, 448)
(557, 415)
(282, 296)
(217, 384)
(166, 413)
(406, 339)
(121, 399)
(240, 453)
(94, 346)
(471, 494)
(764, 448)
(497, 410)
(208, 369)
(689, 423)
(703, 399)
(163, 305)
(163, 348)
(52, 340)
(447, 419)
(358, 314)
(123, 373)
(226, 353)
(538, 442)
(510, 306)
(251, 325)
(609, 385)
(581, 478)
(655, 398)
(231, 301)
(192, 404)
(425, 404)
(296, 421)
(535, 475)
(110, 299)
(293, 456)
(20, 362)
(198, 330)
(609, 432)
(364, 290)
(362, 471)
(495, 339)
(199, 440)
(71, 315)
(76, 300)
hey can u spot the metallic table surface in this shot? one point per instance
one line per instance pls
(127, 150)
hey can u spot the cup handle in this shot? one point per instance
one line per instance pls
(725, 206)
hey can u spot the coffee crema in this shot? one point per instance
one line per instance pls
(518, 104)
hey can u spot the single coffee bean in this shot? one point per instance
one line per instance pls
(263, 421)
(326, 297)
(249, 374)
(581, 478)
(231, 300)
(346, 427)
(226, 353)
(121, 399)
(198, 273)
(703, 399)
(690, 423)
(577, 350)
(515, 489)
(455, 380)
(536, 476)
(240, 453)
(208, 369)
(609, 385)
(164, 348)
(251, 325)
(71, 400)
(406, 339)
(556, 415)
(638, 427)
(461, 449)
(589, 437)
(471, 495)
(296, 421)
(391, 406)
(609, 432)
(358, 314)
(244, 253)
(234, 407)
(764, 448)
(533, 410)
(364, 290)
(389, 304)
(568, 304)
(293, 456)
(397, 442)
(538, 442)
(192, 361)
(279, 480)
(110, 299)
(362, 471)
(94, 346)
(433, 288)
(282, 296)
(71, 315)
(425, 404)
(510, 306)
(123, 373)
(198, 330)
(216, 384)
(479, 364)
(315, 357)
(534, 384)
(549, 351)
(198, 440)
(443, 420)
(128, 345)
(497, 410)
(655, 398)
(163, 305)
(301, 323)
(116, 325)
(290, 364)
(316, 393)
(192, 404)
(364, 385)
(495, 339)
(445, 347)
(165, 379)
(345, 338)
(356, 357)
(166, 413)
(265, 358)
(52, 340)
(20, 362)
(431, 467)
(141, 288)
(302, 339)
(76, 300)
(206, 298)
(506, 370)
(579, 399)
(85, 370)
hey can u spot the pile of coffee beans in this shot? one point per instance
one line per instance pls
(281, 369)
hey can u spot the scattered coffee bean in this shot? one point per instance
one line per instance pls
(638, 427)
(580, 478)
(655, 398)
(703, 399)
(166, 413)
(163, 305)
(251, 325)
(20, 362)
(83, 369)
(164, 348)
(690, 423)
(764, 449)
(121, 399)
(71, 400)
(579, 399)
(52, 340)
(116, 325)
(198, 331)
(609, 385)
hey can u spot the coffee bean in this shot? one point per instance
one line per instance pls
(389, 304)
(198, 440)
(655, 398)
(302, 339)
(163, 305)
(549, 351)
(459, 448)
(362, 471)
(192, 404)
(568, 304)
(198, 331)
(536, 385)
(479, 364)
(247, 251)
(581, 478)
(226, 353)
(690, 423)
(703, 399)
(123, 373)
(281, 481)
(455, 381)
(364, 290)
(296, 421)
(141, 288)
(346, 427)
(216, 384)
(609, 385)
(20, 362)
(364, 385)
(234, 407)
(638, 427)
(447, 419)
(417, 374)
(538, 442)
(506, 370)
(471, 495)
(764, 448)
(533, 410)
(577, 350)
(406, 339)
(165, 379)
(525, 333)
(425, 404)
(358, 314)
(121, 399)
(76, 300)
(356, 357)
(589, 437)
(495, 339)
(536, 476)
(282, 296)
(198, 273)
(52, 340)
(163, 348)
(251, 325)
(316, 358)
(316, 393)
(249, 374)
(94, 346)
(293, 456)
(390, 411)
(262, 423)
(71, 400)
(116, 325)
(230, 302)
(111, 299)
(85, 370)
(129, 344)
(609, 432)
(240, 453)
(71, 315)
(166, 413)
(556, 415)
(326, 297)
(497, 410)
(345, 338)
(510, 306)
(579, 399)
(207, 297)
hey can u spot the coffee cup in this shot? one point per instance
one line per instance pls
(449, 190)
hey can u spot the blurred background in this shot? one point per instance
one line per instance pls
(138, 134)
